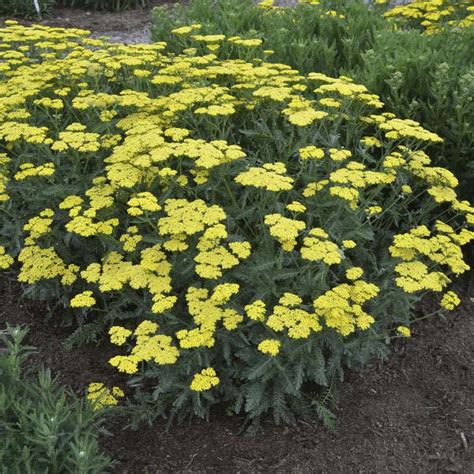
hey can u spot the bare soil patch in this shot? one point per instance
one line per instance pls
(130, 26)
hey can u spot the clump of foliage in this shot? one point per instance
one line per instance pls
(26, 8)
(242, 232)
(428, 78)
(42, 428)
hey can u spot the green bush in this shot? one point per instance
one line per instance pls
(242, 232)
(25, 8)
(42, 429)
(425, 77)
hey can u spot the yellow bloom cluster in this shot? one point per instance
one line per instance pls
(74, 137)
(450, 300)
(270, 346)
(318, 248)
(27, 170)
(341, 307)
(288, 314)
(83, 300)
(204, 380)
(435, 15)
(443, 248)
(207, 311)
(5, 260)
(284, 230)
(404, 331)
(141, 203)
(100, 396)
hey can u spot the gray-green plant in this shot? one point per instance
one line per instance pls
(43, 428)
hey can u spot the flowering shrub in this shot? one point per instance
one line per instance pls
(433, 16)
(239, 230)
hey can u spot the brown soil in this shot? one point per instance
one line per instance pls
(412, 414)
(132, 26)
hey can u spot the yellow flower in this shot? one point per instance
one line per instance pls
(270, 176)
(5, 260)
(296, 206)
(311, 152)
(256, 310)
(204, 380)
(270, 346)
(119, 335)
(100, 396)
(354, 273)
(450, 300)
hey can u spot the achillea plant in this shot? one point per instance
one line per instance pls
(240, 231)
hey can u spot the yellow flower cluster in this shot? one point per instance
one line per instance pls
(271, 176)
(28, 170)
(207, 311)
(284, 230)
(404, 331)
(450, 300)
(149, 346)
(141, 203)
(270, 346)
(5, 260)
(443, 248)
(74, 137)
(341, 307)
(318, 248)
(289, 315)
(83, 300)
(100, 396)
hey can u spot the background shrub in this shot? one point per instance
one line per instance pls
(25, 7)
(43, 428)
(424, 77)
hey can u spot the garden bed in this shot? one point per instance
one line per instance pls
(411, 414)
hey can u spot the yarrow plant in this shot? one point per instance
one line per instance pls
(241, 232)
